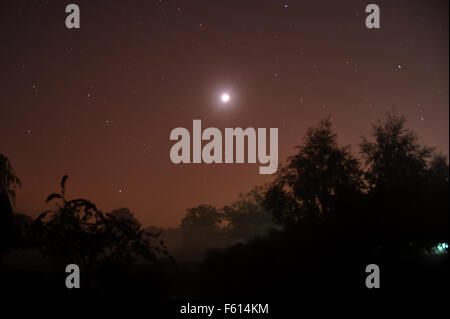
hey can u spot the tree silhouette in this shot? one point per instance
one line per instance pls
(438, 171)
(394, 158)
(8, 183)
(320, 177)
(77, 232)
(201, 230)
(397, 175)
(203, 217)
(438, 197)
(247, 217)
(8, 180)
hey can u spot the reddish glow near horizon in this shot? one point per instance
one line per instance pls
(98, 103)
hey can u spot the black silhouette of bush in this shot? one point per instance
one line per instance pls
(78, 232)
(8, 183)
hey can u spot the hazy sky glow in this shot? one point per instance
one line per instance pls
(99, 103)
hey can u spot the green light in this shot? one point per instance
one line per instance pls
(440, 248)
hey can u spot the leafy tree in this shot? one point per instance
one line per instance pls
(438, 171)
(201, 230)
(203, 217)
(397, 172)
(8, 183)
(319, 178)
(437, 197)
(394, 158)
(247, 218)
(8, 180)
(78, 232)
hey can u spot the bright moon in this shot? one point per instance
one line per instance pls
(225, 98)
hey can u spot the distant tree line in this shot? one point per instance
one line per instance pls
(326, 203)
(340, 211)
(392, 187)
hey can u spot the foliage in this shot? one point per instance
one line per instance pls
(394, 158)
(316, 180)
(8, 180)
(406, 185)
(202, 217)
(78, 232)
(247, 218)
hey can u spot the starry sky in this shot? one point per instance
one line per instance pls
(98, 103)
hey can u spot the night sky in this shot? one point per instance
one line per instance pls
(99, 103)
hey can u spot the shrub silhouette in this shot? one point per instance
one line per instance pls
(8, 180)
(78, 232)
(8, 183)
